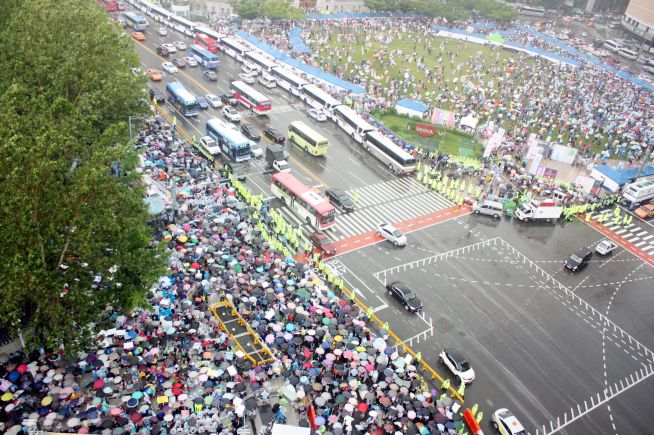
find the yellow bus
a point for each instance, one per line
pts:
(306, 138)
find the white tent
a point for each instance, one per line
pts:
(469, 121)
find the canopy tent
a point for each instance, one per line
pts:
(412, 108)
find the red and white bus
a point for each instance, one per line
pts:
(249, 97)
(314, 209)
(206, 42)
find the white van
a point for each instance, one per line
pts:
(250, 68)
(628, 53)
(490, 208)
(612, 45)
(268, 81)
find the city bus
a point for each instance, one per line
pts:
(319, 99)
(233, 144)
(112, 5)
(393, 156)
(353, 124)
(259, 60)
(181, 99)
(308, 139)
(312, 208)
(233, 48)
(249, 97)
(206, 42)
(289, 81)
(136, 22)
(210, 33)
(181, 24)
(204, 57)
(533, 11)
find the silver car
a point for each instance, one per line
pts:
(392, 234)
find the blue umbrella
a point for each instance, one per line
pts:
(290, 327)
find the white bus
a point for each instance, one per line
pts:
(628, 53)
(259, 60)
(289, 81)
(612, 45)
(532, 11)
(649, 66)
(319, 99)
(639, 191)
(352, 123)
(388, 152)
(233, 48)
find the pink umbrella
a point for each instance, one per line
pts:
(98, 384)
(370, 367)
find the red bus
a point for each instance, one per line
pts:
(314, 209)
(112, 5)
(249, 97)
(206, 42)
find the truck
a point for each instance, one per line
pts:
(539, 210)
(276, 157)
(638, 193)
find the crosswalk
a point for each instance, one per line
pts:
(639, 236)
(388, 201)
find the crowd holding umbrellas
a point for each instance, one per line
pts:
(170, 369)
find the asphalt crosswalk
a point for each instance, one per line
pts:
(639, 236)
(388, 201)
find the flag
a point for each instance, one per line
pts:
(311, 415)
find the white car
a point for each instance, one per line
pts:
(162, 31)
(213, 101)
(190, 61)
(249, 68)
(506, 423)
(268, 81)
(210, 145)
(255, 150)
(392, 234)
(318, 114)
(281, 166)
(170, 47)
(231, 114)
(246, 78)
(180, 45)
(169, 67)
(458, 365)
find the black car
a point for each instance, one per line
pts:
(209, 75)
(341, 199)
(229, 99)
(579, 259)
(179, 62)
(274, 135)
(157, 95)
(251, 132)
(163, 52)
(405, 295)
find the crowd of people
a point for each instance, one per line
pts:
(171, 369)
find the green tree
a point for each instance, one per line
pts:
(246, 9)
(281, 10)
(381, 5)
(66, 92)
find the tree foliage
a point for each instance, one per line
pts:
(281, 10)
(452, 11)
(66, 92)
(247, 9)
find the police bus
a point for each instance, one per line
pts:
(319, 99)
(307, 138)
(351, 122)
(259, 60)
(388, 152)
(233, 144)
(181, 99)
(233, 48)
(204, 57)
(251, 98)
(288, 81)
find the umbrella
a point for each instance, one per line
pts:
(136, 417)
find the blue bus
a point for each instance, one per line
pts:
(136, 22)
(181, 99)
(232, 143)
(204, 57)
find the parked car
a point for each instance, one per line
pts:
(179, 62)
(251, 132)
(229, 99)
(163, 52)
(457, 364)
(255, 151)
(232, 114)
(157, 95)
(268, 81)
(579, 259)
(322, 241)
(605, 247)
(318, 114)
(213, 101)
(154, 74)
(341, 199)
(162, 31)
(209, 75)
(170, 47)
(392, 234)
(138, 36)
(204, 104)
(405, 295)
(506, 423)
(190, 61)
(180, 45)
(645, 211)
(274, 135)
(169, 67)
(246, 78)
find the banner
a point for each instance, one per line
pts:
(562, 153)
(442, 117)
(425, 130)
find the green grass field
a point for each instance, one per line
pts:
(449, 142)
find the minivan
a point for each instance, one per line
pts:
(268, 81)
(490, 208)
(612, 45)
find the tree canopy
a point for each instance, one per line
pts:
(66, 94)
(272, 9)
(460, 10)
